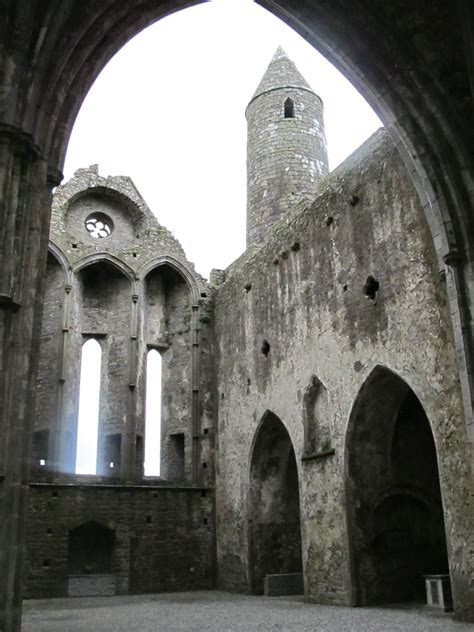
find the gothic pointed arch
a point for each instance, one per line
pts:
(169, 297)
(103, 310)
(195, 284)
(394, 506)
(109, 259)
(61, 258)
(274, 507)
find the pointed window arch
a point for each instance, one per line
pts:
(289, 108)
(89, 401)
(153, 414)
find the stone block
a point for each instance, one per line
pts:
(438, 592)
(283, 584)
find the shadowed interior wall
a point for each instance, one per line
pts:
(90, 549)
(163, 540)
(45, 433)
(168, 327)
(274, 512)
(397, 527)
(105, 310)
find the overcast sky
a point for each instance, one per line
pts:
(169, 111)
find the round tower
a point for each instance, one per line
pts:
(286, 145)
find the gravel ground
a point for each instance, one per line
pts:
(224, 612)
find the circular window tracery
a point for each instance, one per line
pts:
(99, 225)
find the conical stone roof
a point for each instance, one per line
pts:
(281, 73)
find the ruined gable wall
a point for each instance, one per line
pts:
(164, 526)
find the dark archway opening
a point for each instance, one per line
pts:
(274, 512)
(90, 549)
(395, 509)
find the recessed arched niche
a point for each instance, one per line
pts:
(167, 327)
(90, 560)
(104, 218)
(104, 298)
(395, 511)
(103, 312)
(90, 549)
(274, 505)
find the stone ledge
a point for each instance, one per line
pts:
(313, 456)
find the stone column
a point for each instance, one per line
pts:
(25, 201)
(195, 405)
(58, 451)
(128, 470)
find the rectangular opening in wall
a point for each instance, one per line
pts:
(139, 455)
(112, 449)
(89, 404)
(152, 464)
(176, 457)
(69, 462)
(39, 451)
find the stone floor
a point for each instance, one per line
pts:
(224, 612)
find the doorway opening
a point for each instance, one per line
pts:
(274, 511)
(395, 511)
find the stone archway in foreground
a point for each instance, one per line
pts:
(413, 63)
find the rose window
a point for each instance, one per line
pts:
(99, 226)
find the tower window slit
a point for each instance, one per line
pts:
(289, 108)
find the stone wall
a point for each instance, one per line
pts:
(131, 289)
(341, 287)
(137, 237)
(294, 330)
(49, 368)
(117, 276)
(164, 537)
(103, 300)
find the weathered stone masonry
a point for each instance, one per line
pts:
(412, 61)
(286, 148)
(132, 291)
(294, 317)
(313, 384)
